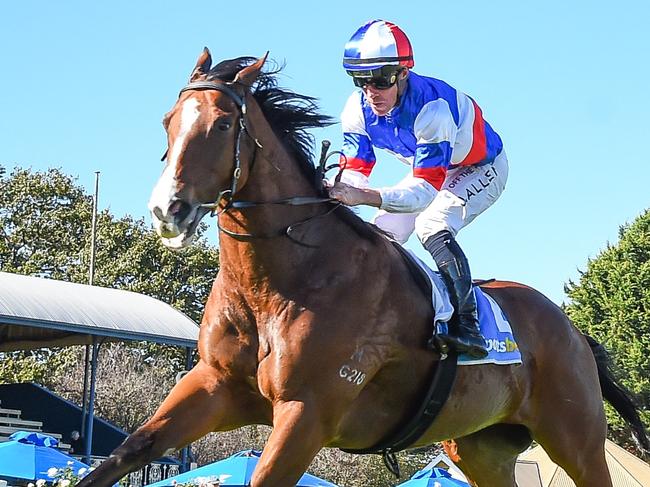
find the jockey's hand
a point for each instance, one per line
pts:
(351, 196)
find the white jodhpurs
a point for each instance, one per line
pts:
(466, 193)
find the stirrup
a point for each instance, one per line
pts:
(443, 342)
(438, 344)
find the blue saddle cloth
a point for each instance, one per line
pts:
(494, 324)
(495, 327)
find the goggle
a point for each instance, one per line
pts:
(380, 78)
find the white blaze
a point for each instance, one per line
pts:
(166, 188)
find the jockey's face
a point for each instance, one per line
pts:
(382, 101)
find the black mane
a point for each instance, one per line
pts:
(290, 115)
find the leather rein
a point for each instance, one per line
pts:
(227, 194)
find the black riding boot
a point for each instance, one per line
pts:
(454, 269)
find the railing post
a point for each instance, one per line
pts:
(91, 401)
(185, 452)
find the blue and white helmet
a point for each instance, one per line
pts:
(376, 44)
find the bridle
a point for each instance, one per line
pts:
(240, 101)
(227, 194)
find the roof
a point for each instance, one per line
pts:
(37, 312)
(626, 469)
(527, 474)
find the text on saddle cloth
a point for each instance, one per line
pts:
(494, 324)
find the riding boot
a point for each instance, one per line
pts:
(455, 273)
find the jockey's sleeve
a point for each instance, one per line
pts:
(435, 133)
(411, 195)
(359, 157)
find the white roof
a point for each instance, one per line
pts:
(36, 312)
(626, 469)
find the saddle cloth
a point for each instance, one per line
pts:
(494, 325)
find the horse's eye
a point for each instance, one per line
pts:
(224, 125)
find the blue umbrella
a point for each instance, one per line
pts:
(433, 477)
(29, 456)
(235, 471)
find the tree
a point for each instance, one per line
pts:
(129, 389)
(611, 302)
(45, 230)
(45, 220)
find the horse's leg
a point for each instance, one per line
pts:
(577, 444)
(568, 418)
(298, 435)
(488, 457)
(200, 403)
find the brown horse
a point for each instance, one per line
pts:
(316, 327)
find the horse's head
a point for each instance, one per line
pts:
(205, 148)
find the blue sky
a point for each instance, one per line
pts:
(84, 86)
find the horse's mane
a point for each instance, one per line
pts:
(290, 115)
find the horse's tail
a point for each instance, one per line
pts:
(618, 396)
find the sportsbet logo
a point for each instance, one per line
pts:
(502, 346)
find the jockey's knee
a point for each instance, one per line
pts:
(398, 225)
(427, 228)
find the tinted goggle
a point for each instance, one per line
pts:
(380, 78)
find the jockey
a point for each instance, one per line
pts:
(459, 167)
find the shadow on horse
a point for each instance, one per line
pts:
(307, 290)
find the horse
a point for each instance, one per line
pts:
(315, 326)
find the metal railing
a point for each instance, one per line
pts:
(154, 472)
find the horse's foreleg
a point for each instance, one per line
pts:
(298, 435)
(203, 401)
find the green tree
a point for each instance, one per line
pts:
(611, 302)
(45, 230)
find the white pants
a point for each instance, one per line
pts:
(466, 193)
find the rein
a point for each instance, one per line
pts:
(227, 194)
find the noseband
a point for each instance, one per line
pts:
(227, 194)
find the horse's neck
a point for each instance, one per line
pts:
(274, 175)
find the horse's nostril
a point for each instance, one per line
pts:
(157, 212)
(179, 210)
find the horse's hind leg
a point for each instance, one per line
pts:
(569, 418)
(577, 444)
(488, 457)
(201, 402)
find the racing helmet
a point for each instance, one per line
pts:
(376, 44)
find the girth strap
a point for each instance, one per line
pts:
(440, 384)
(405, 436)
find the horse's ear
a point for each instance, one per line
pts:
(249, 74)
(203, 65)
